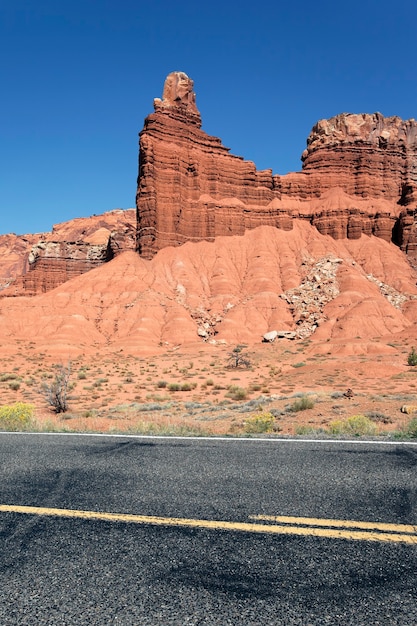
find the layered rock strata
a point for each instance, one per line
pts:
(71, 249)
(14, 253)
(359, 171)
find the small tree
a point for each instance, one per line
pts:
(56, 392)
(412, 357)
(238, 358)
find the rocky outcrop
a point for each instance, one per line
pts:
(357, 174)
(71, 249)
(318, 287)
(14, 252)
(371, 156)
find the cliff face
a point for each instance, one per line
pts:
(14, 252)
(71, 249)
(359, 176)
(371, 156)
(359, 171)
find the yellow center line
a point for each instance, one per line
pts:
(215, 524)
(336, 523)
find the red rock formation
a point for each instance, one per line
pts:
(232, 290)
(71, 249)
(14, 252)
(191, 188)
(370, 156)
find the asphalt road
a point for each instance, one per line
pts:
(60, 570)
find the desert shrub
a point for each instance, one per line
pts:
(16, 417)
(376, 416)
(161, 384)
(304, 429)
(82, 375)
(56, 392)
(300, 364)
(301, 404)
(260, 423)
(14, 385)
(6, 377)
(238, 358)
(412, 357)
(188, 386)
(411, 429)
(174, 387)
(236, 393)
(354, 426)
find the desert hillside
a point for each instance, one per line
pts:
(232, 290)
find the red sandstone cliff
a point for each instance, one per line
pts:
(32, 264)
(14, 252)
(358, 173)
(359, 177)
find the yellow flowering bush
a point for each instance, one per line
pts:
(18, 416)
(260, 423)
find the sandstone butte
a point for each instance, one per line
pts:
(219, 252)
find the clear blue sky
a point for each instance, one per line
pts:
(78, 78)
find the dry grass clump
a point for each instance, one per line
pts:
(301, 404)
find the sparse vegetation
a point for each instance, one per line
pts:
(6, 377)
(56, 392)
(301, 404)
(354, 426)
(16, 417)
(236, 393)
(238, 358)
(410, 431)
(181, 386)
(260, 423)
(412, 358)
(376, 416)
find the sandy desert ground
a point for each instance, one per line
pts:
(196, 391)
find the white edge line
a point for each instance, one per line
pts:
(400, 442)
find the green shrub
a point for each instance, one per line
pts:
(411, 429)
(412, 357)
(236, 393)
(5, 377)
(188, 386)
(174, 387)
(260, 423)
(354, 426)
(301, 404)
(161, 384)
(304, 429)
(16, 417)
(14, 385)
